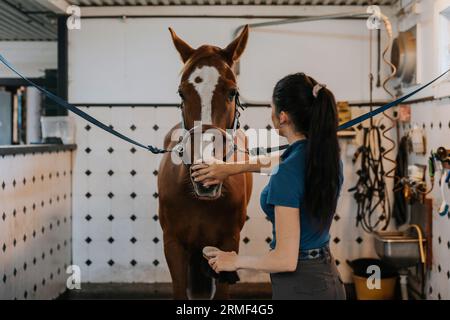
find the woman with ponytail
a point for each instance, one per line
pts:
(301, 196)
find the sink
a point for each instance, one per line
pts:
(399, 249)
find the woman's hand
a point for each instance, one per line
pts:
(222, 261)
(211, 173)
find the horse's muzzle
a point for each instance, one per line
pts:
(205, 192)
(199, 146)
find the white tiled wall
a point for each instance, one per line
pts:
(110, 246)
(434, 118)
(35, 225)
(117, 235)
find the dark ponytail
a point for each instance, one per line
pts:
(316, 118)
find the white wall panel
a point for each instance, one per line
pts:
(134, 61)
(31, 58)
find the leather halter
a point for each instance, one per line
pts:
(179, 148)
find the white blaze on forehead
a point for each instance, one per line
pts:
(204, 79)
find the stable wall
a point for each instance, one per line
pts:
(116, 235)
(134, 61)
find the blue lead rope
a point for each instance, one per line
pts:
(357, 120)
(381, 109)
(81, 113)
(156, 150)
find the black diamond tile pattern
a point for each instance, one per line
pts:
(435, 123)
(134, 204)
(43, 214)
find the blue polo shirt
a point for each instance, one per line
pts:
(286, 188)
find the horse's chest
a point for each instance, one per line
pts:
(196, 219)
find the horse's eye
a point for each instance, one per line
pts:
(180, 93)
(231, 94)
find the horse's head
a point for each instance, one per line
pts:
(208, 90)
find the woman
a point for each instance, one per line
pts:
(299, 200)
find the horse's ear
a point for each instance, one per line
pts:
(182, 47)
(235, 49)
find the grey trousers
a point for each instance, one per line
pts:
(315, 279)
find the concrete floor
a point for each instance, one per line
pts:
(146, 291)
(162, 291)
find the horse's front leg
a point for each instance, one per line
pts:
(177, 260)
(229, 243)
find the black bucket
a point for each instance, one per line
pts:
(387, 284)
(360, 266)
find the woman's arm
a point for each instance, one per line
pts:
(282, 259)
(216, 172)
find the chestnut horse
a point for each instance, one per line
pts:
(191, 215)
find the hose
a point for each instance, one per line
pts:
(420, 236)
(393, 121)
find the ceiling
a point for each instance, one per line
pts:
(227, 2)
(26, 20)
(35, 20)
